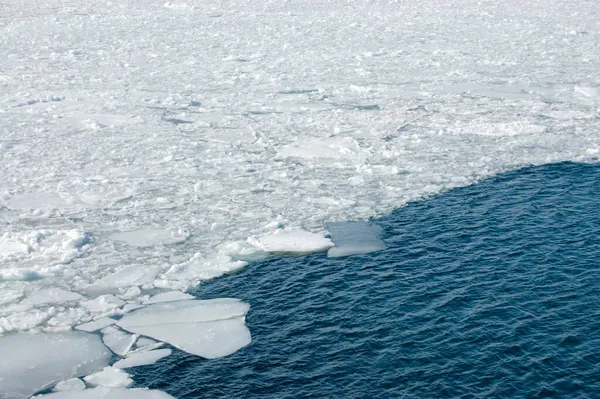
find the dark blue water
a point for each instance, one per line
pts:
(489, 291)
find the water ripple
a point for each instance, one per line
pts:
(490, 291)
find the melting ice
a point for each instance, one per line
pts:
(211, 135)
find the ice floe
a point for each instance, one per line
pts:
(117, 340)
(353, 238)
(208, 328)
(291, 241)
(32, 362)
(109, 377)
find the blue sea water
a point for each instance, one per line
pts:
(488, 291)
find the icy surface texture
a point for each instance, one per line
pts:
(168, 159)
(32, 362)
(352, 238)
(211, 328)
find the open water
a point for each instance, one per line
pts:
(488, 291)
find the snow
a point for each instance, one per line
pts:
(108, 393)
(291, 241)
(33, 362)
(142, 358)
(110, 378)
(181, 153)
(353, 238)
(210, 328)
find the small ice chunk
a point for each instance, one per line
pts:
(211, 328)
(169, 297)
(108, 393)
(96, 324)
(32, 362)
(117, 340)
(297, 241)
(109, 378)
(51, 295)
(142, 358)
(353, 238)
(72, 384)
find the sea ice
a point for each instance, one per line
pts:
(32, 362)
(352, 238)
(72, 384)
(110, 378)
(142, 359)
(168, 297)
(210, 328)
(147, 237)
(297, 241)
(51, 295)
(133, 275)
(117, 340)
(96, 325)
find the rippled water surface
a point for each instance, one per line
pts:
(487, 291)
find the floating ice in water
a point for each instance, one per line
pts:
(108, 393)
(353, 238)
(96, 324)
(34, 254)
(72, 384)
(211, 328)
(51, 295)
(117, 340)
(168, 297)
(142, 359)
(147, 237)
(133, 275)
(297, 241)
(110, 378)
(33, 362)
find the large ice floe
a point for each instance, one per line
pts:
(148, 147)
(32, 362)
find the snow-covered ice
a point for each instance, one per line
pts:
(353, 238)
(32, 362)
(209, 328)
(142, 358)
(147, 147)
(291, 241)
